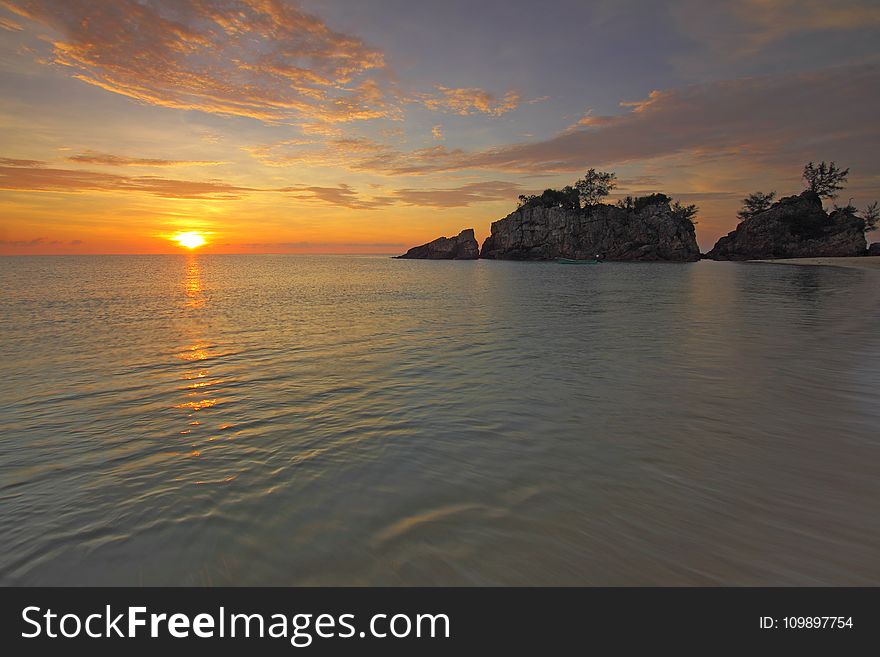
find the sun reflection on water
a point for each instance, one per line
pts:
(192, 382)
(195, 352)
(193, 284)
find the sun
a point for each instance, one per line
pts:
(190, 240)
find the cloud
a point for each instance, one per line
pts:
(494, 190)
(437, 133)
(9, 25)
(743, 27)
(466, 101)
(12, 162)
(265, 59)
(93, 157)
(211, 137)
(312, 245)
(38, 241)
(35, 176)
(639, 182)
(342, 195)
(798, 115)
(336, 151)
(355, 145)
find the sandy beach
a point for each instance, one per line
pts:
(864, 262)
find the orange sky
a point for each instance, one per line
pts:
(347, 127)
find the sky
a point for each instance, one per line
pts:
(369, 126)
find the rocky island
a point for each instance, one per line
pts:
(461, 247)
(652, 232)
(798, 226)
(573, 223)
(794, 227)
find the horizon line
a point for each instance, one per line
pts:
(187, 253)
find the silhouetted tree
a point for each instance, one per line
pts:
(626, 203)
(570, 198)
(755, 203)
(567, 198)
(639, 203)
(651, 199)
(825, 179)
(848, 209)
(871, 215)
(685, 211)
(594, 186)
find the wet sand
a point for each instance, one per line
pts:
(863, 262)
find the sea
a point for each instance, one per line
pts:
(359, 420)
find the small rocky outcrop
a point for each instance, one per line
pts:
(461, 247)
(874, 249)
(653, 233)
(794, 227)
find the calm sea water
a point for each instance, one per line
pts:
(361, 420)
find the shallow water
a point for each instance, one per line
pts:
(362, 420)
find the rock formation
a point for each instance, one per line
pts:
(794, 227)
(654, 233)
(461, 247)
(874, 249)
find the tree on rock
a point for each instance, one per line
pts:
(566, 198)
(825, 179)
(687, 212)
(871, 216)
(755, 203)
(596, 185)
(643, 202)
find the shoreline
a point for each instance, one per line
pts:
(871, 263)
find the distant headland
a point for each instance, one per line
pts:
(574, 223)
(461, 247)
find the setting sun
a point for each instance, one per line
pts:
(190, 240)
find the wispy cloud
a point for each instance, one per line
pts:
(283, 246)
(10, 25)
(342, 195)
(467, 194)
(35, 176)
(335, 151)
(107, 159)
(13, 162)
(639, 183)
(265, 59)
(38, 241)
(466, 101)
(742, 27)
(463, 195)
(805, 114)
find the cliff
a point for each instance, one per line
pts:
(793, 227)
(540, 233)
(461, 247)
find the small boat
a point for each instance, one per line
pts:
(569, 261)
